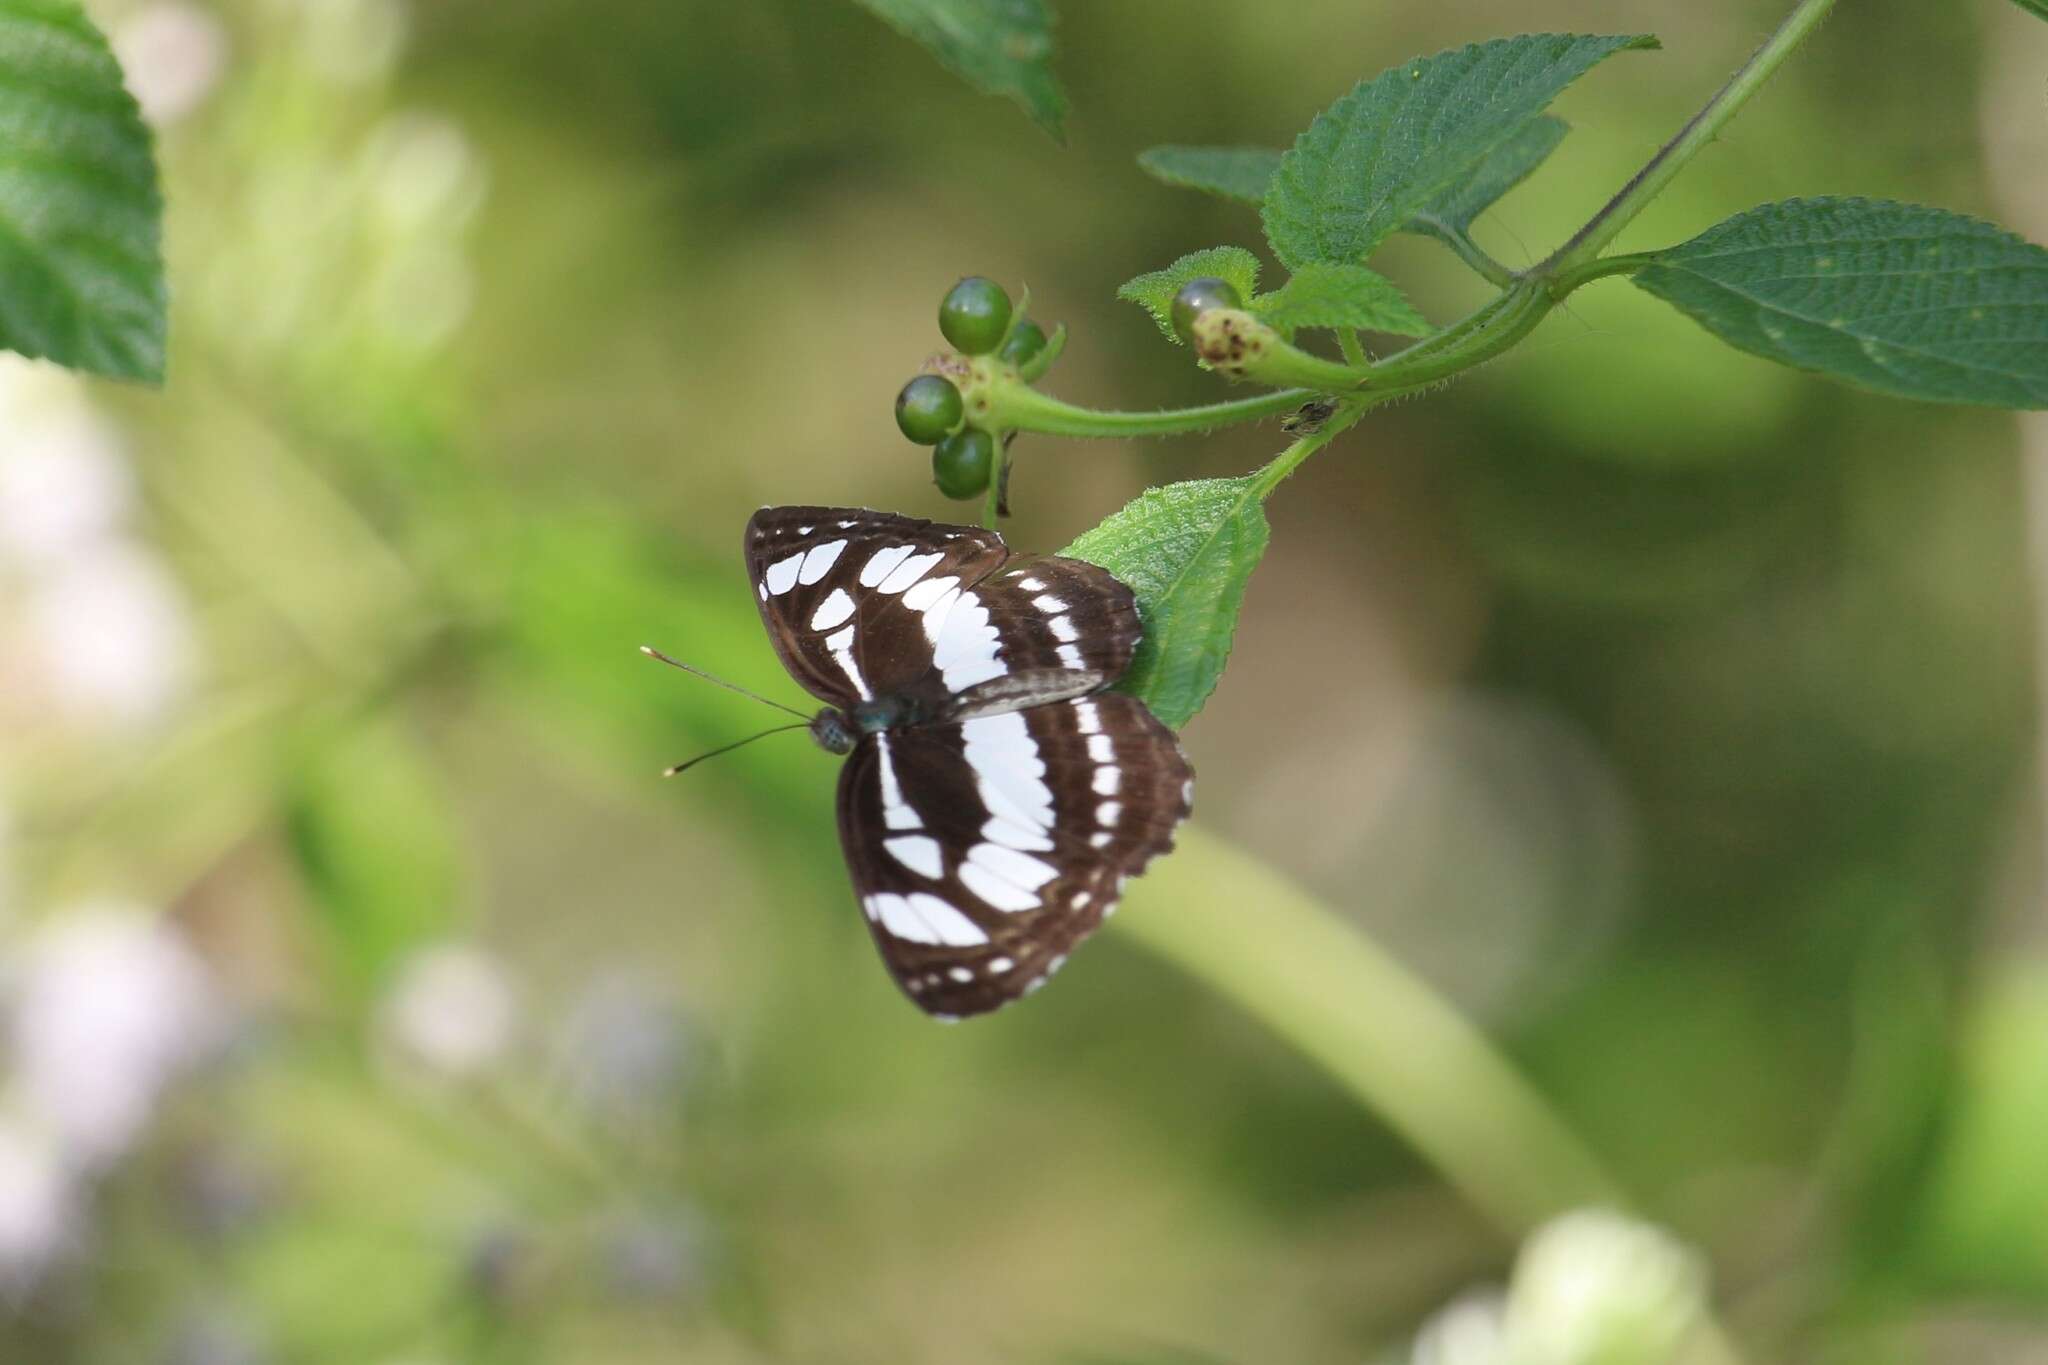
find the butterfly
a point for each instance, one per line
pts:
(996, 797)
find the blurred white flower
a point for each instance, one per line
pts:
(624, 1046)
(64, 481)
(352, 42)
(109, 1005)
(1596, 1286)
(171, 54)
(37, 1204)
(452, 1008)
(1470, 1330)
(108, 633)
(423, 176)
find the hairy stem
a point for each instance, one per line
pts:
(1026, 409)
(1650, 181)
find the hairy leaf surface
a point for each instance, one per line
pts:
(1381, 153)
(1907, 300)
(1187, 550)
(81, 266)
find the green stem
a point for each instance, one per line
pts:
(1381, 1032)
(1026, 409)
(1468, 250)
(1650, 181)
(1352, 347)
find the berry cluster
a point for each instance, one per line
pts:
(946, 406)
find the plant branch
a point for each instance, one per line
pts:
(1701, 129)
(1026, 409)
(1381, 1032)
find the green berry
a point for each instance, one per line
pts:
(974, 316)
(962, 463)
(1027, 339)
(928, 408)
(1197, 297)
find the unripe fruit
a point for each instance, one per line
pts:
(1027, 339)
(974, 315)
(928, 408)
(962, 463)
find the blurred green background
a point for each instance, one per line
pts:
(370, 998)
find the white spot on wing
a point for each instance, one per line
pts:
(1029, 584)
(917, 852)
(1099, 839)
(1003, 895)
(923, 918)
(1008, 773)
(781, 575)
(1108, 811)
(1049, 603)
(1101, 748)
(1081, 899)
(1107, 780)
(896, 812)
(921, 596)
(965, 650)
(1011, 865)
(841, 646)
(961, 974)
(881, 563)
(1070, 656)
(908, 572)
(935, 615)
(1087, 718)
(1011, 835)
(833, 611)
(998, 965)
(820, 559)
(1062, 628)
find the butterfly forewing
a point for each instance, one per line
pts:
(982, 850)
(854, 599)
(1046, 628)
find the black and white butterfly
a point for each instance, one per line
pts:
(995, 796)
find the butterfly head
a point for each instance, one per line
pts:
(834, 731)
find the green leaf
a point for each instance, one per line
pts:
(81, 268)
(1154, 290)
(1340, 296)
(1000, 47)
(1240, 173)
(1505, 167)
(2037, 8)
(1186, 550)
(1907, 300)
(375, 844)
(1381, 153)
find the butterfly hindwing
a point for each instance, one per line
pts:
(1038, 629)
(983, 850)
(853, 599)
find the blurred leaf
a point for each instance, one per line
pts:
(81, 269)
(1397, 141)
(1988, 1201)
(2037, 8)
(1340, 296)
(1505, 167)
(1154, 290)
(1899, 298)
(1187, 550)
(1000, 47)
(1240, 173)
(376, 845)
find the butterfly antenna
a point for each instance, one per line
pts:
(728, 748)
(653, 653)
